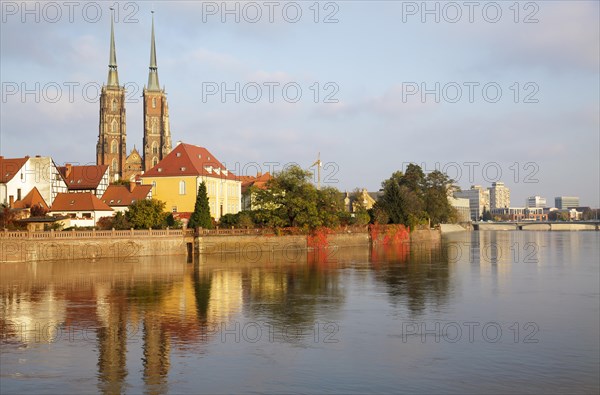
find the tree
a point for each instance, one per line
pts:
(201, 216)
(37, 211)
(437, 205)
(413, 198)
(290, 199)
(146, 213)
(487, 215)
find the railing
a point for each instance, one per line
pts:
(96, 234)
(111, 234)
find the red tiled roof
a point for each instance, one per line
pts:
(10, 167)
(189, 160)
(83, 177)
(78, 202)
(33, 198)
(119, 195)
(258, 181)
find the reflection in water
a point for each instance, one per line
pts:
(140, 320)
(415, 275)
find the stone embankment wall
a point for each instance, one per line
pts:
(126, 247)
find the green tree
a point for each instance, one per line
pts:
(487, 215)
(413, 198)
(437, 205)
(146, 213)
(201, 216)
(290, 199)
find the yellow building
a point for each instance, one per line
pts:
(176, 178)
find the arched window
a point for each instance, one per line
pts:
(182, 187)
(114, 105)
(114, 147)
(154, 102)
(154, 161)
(154, 128)
(114, 166)
(114, 126)
(154, 148)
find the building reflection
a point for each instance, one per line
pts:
(130, 313)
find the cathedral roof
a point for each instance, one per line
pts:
(190, 160)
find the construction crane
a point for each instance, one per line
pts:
(319, 164)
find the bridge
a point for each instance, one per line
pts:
(537, 225)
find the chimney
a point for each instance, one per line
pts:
(68, 169)
(131, 186)
(11, 201)
(258, 174)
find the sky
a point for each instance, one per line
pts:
(484, 91)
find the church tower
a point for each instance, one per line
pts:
(157, 133)
(111, 147)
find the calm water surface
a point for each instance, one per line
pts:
(502, 312)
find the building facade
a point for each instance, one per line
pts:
(112, 136)
(499, 195)
(566, 202)
(535, 202)
(157, 130)
(87, 178)
(479, 200)
(111, 148)
(20, 175)
(175, 181)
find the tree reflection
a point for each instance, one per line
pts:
(415, 274)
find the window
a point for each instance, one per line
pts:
(154, 128)
(114, 147)
(114, 166)
(154, 102)
(19, 194)
(182, 187)
(87, 215)
(114, 105)
(154, 148)
(174, 209)
(114, 126)
(155, 162)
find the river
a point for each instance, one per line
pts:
(501, 312)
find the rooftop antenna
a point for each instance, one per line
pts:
(319, 164)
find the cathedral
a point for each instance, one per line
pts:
(111, 149)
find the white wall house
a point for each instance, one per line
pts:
(83, 209)
(18, 176)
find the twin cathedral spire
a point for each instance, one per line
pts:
(111, 148)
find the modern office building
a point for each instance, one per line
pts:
(565, 202)
(479, 198)
(535, 202)
(499, 195)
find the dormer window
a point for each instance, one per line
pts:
(209, 169)
(178, 154)
(225, 171)
(199, 156)
(217, 170)
(160, 169)
(182, 169)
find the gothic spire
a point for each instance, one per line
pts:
(153, 84)
(113, 76)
